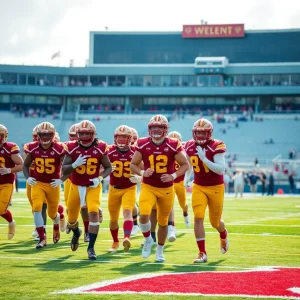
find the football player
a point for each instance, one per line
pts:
(44, 178)
(83, 160)
(122, 191)
(158, 153)
(207, 158)
(180, 192)
(136, 228)
(10, 163)
(34, 234)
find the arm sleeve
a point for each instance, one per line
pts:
(218, 166)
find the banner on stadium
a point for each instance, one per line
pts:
(213, 31)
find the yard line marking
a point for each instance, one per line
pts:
(120, 262)
(264, 234)
(271, 253)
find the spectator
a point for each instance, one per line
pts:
(252, 180)
(271, 184)
(292, 182)
(256, 164)
(238, 183)
(263, 179)
(292, 154)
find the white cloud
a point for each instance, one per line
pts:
(32, 30)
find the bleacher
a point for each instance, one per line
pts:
(247, 141)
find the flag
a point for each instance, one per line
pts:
(56, 54)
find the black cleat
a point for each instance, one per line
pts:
(75, 241)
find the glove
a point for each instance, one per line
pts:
(56, 182)
(31, 181)
(81, 160)
(96, 181)
(201, 153)
(4, 171)
(135, 178)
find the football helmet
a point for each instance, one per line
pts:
(35, 133)
(3, 134)
(175, 135)
(56, 137)
(122, 136)
(73, 132)
(134, 136)
(204, 127)
(162, 123)
(86, 132)
(46, 133)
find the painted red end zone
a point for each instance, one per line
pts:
(272, 283)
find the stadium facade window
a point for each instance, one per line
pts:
(136, 80)
(97, 100)
(262, 79)
(32, 79)
(243, 80)
(54, 100)
(281, 79)
(156, 80)
(98, 80)
(78, 81)
(203, 80)
(16, 99)
(8, 78)
(4, 98)
(41, 79)
(166, 80)
(116, 80)
(58, 80)
(295, 79)
(29, 99)
(189, 80)
(22, 79)
(175, 80)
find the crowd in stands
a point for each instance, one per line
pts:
(101, 108)
(28, 111)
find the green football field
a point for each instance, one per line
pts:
(263, 231)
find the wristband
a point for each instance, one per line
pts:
(174, 175)
(101, 178)
(142, 173)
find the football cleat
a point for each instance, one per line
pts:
(75, 241)
(86, 238)
(91, 254)
(202, 257)
(126, 244)
(160, 256)
(41, 244)
(56, 235)
(148, 243)
(135, 229)
(171, 234)
(11, 230)
(187, 221)
(224, 244)
(114, 248)
(62, 224)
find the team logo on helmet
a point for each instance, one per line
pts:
(86, 133)
(46, 133)
(202, 131)
(122, 136)
(158, 127)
